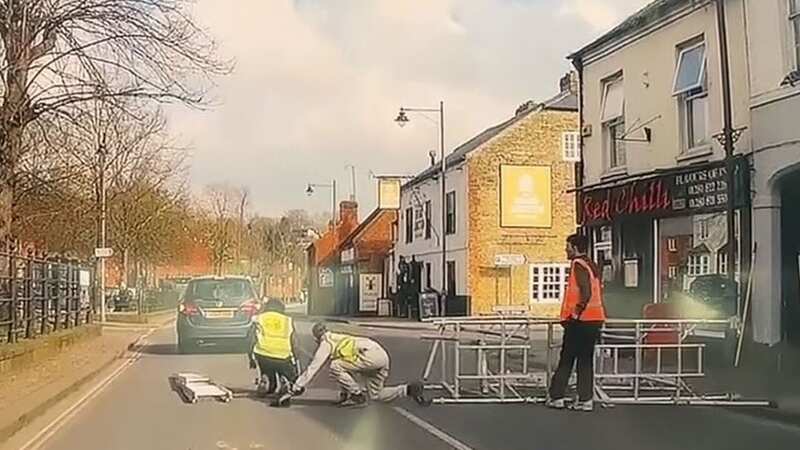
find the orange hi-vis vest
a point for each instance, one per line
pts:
(595, 311)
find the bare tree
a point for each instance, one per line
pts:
(221, 207)
(61, 54)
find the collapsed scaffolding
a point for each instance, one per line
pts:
(498, 359)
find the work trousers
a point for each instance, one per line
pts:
(371, 366)
(578, 345)
(274, 369)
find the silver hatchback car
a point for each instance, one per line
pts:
(216, 309)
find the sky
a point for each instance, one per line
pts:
(317, 85)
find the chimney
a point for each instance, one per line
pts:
(348, 211)
(569, 82)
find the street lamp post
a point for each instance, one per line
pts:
(332, 186)
(402, 119)
(101, 237)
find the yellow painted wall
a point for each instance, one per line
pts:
(534, 140)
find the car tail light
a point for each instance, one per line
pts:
(250, 307)
(188, 309)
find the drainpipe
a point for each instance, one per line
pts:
(579, 166)
(728, 137)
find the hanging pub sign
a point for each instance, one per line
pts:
(691, 191)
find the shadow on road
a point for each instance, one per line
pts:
(172, 350)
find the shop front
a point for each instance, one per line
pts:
(663, 238)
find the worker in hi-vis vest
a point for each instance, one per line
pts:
(582, 316)
(352, 358)
(272, 350)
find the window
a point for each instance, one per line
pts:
(722, 262)
(699, 264)
(548, 282)
(602, 252)
(450, 222)
(428, 219)
(570, 146)
(409, 225)
(673, 272)
(613, 118)
(451, 278)
(692, 91)
(615, 133)
(702, 229)
(690, 72)
(672, 245)
(794, 22)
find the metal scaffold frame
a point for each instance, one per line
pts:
(489, 359)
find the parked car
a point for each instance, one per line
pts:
(215, 310)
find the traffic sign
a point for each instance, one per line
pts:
(509, 260)
(106, 252)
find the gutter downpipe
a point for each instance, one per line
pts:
(577, 62)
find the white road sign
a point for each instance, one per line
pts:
(106, 252)
(509, 260)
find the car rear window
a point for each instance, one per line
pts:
(229, 291)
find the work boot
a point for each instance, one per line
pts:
(354, 401)
(343, 396)
(416, 391)
(557, 403)
(587, 406)
(282, 401)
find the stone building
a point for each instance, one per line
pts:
(509, 211)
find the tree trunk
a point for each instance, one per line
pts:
(125, 269)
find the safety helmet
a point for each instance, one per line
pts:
(275, 305)
(318, 330)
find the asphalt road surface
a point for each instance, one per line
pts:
(140, 411)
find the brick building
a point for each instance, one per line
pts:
(361, 280)
(507, 194)
(322, 259)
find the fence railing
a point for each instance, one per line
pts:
(40, 294)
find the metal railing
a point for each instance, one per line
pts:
(493, 359)
(40, 294)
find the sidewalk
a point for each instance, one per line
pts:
(30, 391)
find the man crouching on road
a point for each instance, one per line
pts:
(272, 350)
(351, 357)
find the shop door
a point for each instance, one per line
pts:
(790, 244)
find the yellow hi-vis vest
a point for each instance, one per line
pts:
(274, 335)
(344, 347)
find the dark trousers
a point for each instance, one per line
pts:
(274, 368)
(578, 345)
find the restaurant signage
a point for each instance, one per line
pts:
(691, 191)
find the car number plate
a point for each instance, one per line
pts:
(219, 314)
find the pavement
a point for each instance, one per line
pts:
(137, 409)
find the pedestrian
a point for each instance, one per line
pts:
(272, 350)
(582, 316)
(352, 358)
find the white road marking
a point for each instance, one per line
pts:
(446, 438)
(37, 441)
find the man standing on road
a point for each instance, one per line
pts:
(273, 349)
(582, 316)
(351, 357)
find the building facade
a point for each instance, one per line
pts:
(653, 184)
(361, 263)
(323, 259)
(508, 212)
(774, 79)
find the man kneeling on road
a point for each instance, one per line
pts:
(273, 350)
(351, 357)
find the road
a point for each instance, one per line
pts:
(140, 411)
